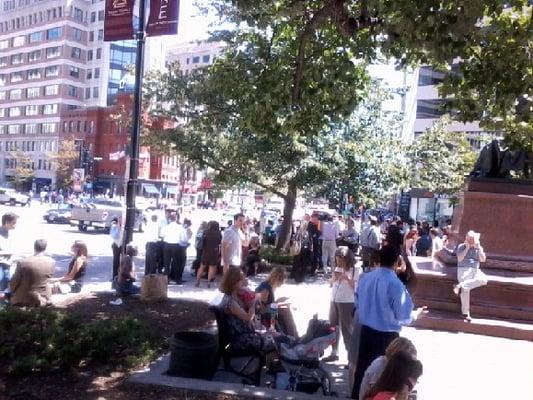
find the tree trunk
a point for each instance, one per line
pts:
(286, 228)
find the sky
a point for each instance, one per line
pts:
(192, 25)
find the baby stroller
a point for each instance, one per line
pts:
(304, 372)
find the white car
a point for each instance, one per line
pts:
(11, 196)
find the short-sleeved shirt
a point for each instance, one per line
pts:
(471, 259)
(233, 238)
(5, 245)
(268, 287)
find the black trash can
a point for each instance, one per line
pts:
(193, 355)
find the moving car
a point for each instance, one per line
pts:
(11, 196)
(100, 212)
(58, 215)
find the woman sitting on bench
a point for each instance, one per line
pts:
(240, 317)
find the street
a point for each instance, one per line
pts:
(456, 365)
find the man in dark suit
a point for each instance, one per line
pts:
(30, 284)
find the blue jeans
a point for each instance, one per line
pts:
(5, 277)
(127, 288)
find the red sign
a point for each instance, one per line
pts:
(118, 23)
(163, 19)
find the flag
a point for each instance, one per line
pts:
(163, 19)
(118, 22)
(117, 156)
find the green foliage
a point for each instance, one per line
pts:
(23, 171)
(41, 340)
(64, 161)
(275, 256)
(441, 159)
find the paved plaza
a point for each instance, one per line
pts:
(456, 365)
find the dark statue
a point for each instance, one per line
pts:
(494, 161)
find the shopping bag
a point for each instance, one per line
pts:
(154, 288)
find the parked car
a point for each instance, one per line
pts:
(11, 196)
(59, 215)
(100, 212)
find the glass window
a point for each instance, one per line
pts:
(3, 61)
(3, 95)
(52, 52)
(3, 112)
(4, 44)
(101, 15)
(35, 37)
(196, 59)
(91, 36)
(50, 109)
(32, 110)
(33, 92)
(100, 34)
(205, 59)
(89, 55)
(89, 74)
(75, 72)
(13, 129)
(428, 76)
(17, 76)
(87, 93)
(95, 92)
(51, 90)
(54, 33)
(76, 34)
(96, 73)
(93, 16)
(17, 59)
(15, 94)
(78, 14)
(3, 79)
(34, 55)
(15, 112)
(49, 128)
(19, 41)
(98, 53)
(31, 129)
(73, 91)
(52, 70)
(429, 109)
(75, 52)
(34, 74)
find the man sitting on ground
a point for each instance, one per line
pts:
(30, 283)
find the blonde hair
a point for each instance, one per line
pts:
(400, 344)
(347, 255)
(230, 278)
(277, 276)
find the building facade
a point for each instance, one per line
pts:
(54, 64)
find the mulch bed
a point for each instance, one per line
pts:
(101, 382)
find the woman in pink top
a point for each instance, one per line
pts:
(398, 379)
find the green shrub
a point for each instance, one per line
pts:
(42, 340)
(271, 254)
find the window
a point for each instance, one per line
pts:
(73, 91)
(87, 93)
(52, 52)
(17, 76)
(52, 70)
(205, 59)
(33, 92)
(75, 72)
(89, 74)
(15, 94)
(32, 110)
(89, 55)
(30, 129)
(196, 59)
(35, 37)
(91, 36)
(188, 60)
(3, 112)
(2, 95)
(95, 92)
(101, 15)
(40, 164)
(17, 59)
(78, 14)
(96, 73)
(100, 34)
(93, 16)
(75, 52)
(51, 90)
(3, 61)
(54, 33)
(19, 41)
(34, 55)
(429, 109)
(50, 109)
(76, 34)
(98, 53)
(3, 79)
(49, 128)
(4, 44)
(34, 74)
(15, 112)
(13, 129)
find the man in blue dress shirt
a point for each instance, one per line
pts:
(384, 305)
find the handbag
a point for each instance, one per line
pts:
(295, 248)
(154, 288)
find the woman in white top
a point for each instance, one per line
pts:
(343, 282)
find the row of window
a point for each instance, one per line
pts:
(37, 73)
(28, 129)
(196, 59)
(29, 145)
(32, 19)
(31, 110)
(35, 55)
(44, 165)
(78, 126)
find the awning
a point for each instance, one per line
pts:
(171, 190)
(151, 189)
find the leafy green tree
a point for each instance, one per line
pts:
(24, 169)
(64, 161)
(440, 159)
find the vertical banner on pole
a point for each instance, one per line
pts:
(163, 19)
(118, 22)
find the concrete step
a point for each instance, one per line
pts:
(453, 322)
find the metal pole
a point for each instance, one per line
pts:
(134, 156)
